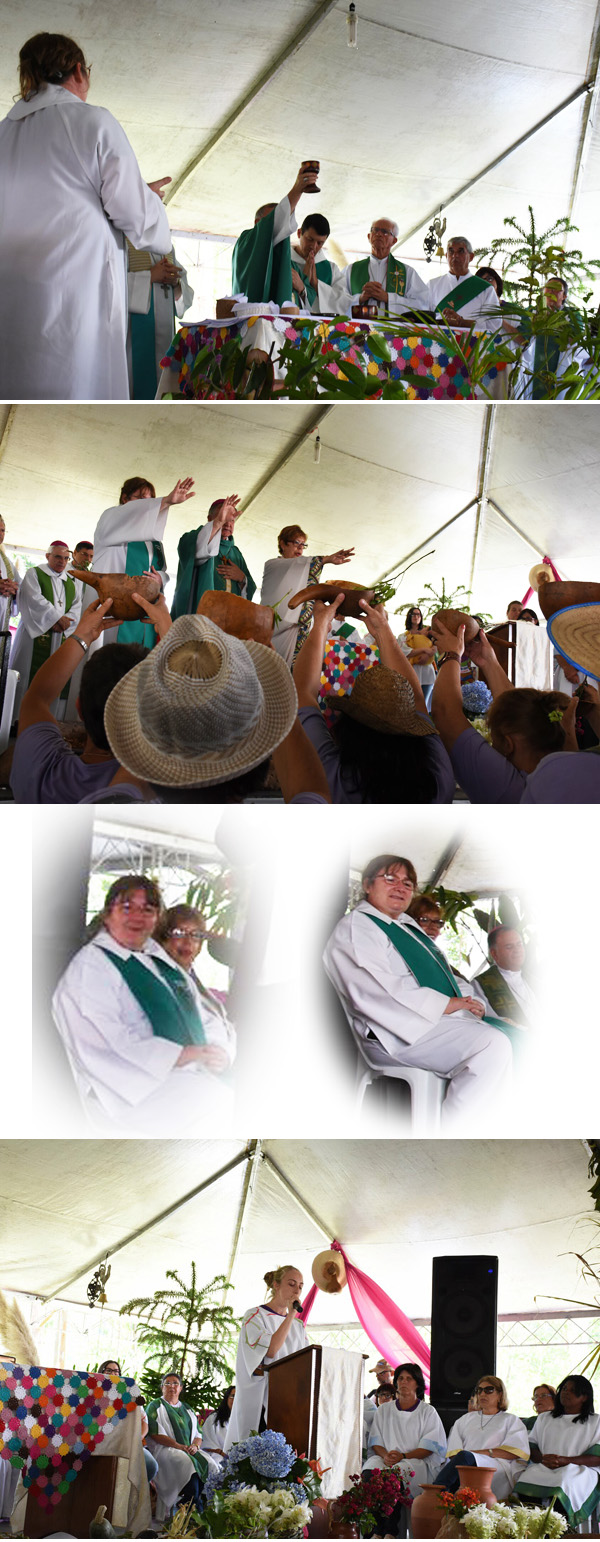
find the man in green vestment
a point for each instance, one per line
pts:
(261, 265)
(502, 984)
(210, 559)
(393, 284)
(462, 297)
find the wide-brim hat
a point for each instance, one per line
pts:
(203, 707)
(384, 700)
(382, 1365)
(329, 1271)
(541, 573)
(575, 633)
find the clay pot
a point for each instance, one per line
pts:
(329, 592)
(339, 1528)
(451, 1527)
(553, 597)
(426, 1516)
(318, 1524)
(121, 586)
(452, 619)
(238, 617)
(479, 1479)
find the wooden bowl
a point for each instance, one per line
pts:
(329, 592)
(452, 619)
(553, 597)
(238, 617)
(121, 586)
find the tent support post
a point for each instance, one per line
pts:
(444, 862)
(319, 15)
(425, 542)
(487, 440)
(250, 1177)
(243, 1156)
(286, 456)
(588, 115)
(528, 542)
(6, 426)
(285, 1183)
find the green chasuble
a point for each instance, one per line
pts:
(194, 578)
(427, 963)
(42, 645)
(181, 1425)
(395, 281)
(137, 562)
(324, 272)
(465, 291)
(259, 269)
(170, 1008)
(499, 995)
(143, 353)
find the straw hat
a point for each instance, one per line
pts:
(575, 633)
(383, 700)
(382, 1365)
(203, 707)
(541, 574)
(329, 1271)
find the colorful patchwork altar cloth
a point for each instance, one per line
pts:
(443, 374)
(343, 662)
(51, 1421)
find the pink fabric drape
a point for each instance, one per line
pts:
(388, 1328)
(555, 574)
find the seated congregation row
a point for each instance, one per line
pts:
(205, 716)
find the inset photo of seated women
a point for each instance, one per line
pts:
(140, 1037)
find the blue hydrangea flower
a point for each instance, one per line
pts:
(270, 1454)
(476, 698)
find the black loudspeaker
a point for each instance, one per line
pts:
(464, 1303)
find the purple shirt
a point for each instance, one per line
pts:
(486, 777)
(342, 784)
(46, 770)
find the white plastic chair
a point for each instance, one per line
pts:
(12, 678)
(427, 1089)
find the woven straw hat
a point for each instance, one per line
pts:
(575, 633)
(541, 573)
(329, 1271)
(202, 708)
(383, 700)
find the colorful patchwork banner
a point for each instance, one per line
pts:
(343, 661)
(52, 1420)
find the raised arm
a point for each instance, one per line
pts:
(307, 666)
(52, 676)
(447, 708)
(482, 654)
(390, 651)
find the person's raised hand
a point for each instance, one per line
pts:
(182, 491)
(447, 642)
(159, 186)
(345, 554)
(95, 621)
(375, 615)
(324, 613)
(157, 612)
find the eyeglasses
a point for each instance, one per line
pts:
(381, 230)
(486, 1390)
(431, 921)
(193, 936)
(129, 909)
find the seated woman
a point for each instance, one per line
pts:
(565, 1452)
(533, 756)
(420, 651)
(407, 1433)
(112, 1368)
(284, 576)
(174, 1440)
(132, 1028)
(544, 1400)
(180, 933)
(214, 1428)
(384, 748)
(487, 1437)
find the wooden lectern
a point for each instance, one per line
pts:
(315, 1400)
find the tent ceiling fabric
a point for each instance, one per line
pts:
(394, 1206)
(386, 481)
(479, 858)
(454, 87)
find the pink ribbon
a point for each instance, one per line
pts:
(388, 1328)
(555, 574)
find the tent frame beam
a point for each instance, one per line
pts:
(250, 1177)
(588, 115)
(485, 466)
(287, 455)
(265, 79)
(306, 1209)
(511, 524)
(431, 537)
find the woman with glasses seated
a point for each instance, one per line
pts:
(488, 1436)
(181, 932)
(136, 1031)
(283, 577)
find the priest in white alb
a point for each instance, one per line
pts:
(459, 296)
(128, 539)
(393, 284)
(10, 582)
(50, 608)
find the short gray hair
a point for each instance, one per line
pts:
(392, 223)
(460, 238)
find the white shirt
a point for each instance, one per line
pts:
(139, 520)
(477, 1432)
(38, 616)
(251, 1391)
(475, 309)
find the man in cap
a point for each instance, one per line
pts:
(394, 285)
(384, 1373)
(50, 609)
(210, 559)
(460, 296)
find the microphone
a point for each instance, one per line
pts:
(297, 1305)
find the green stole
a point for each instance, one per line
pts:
(427, 963)
(181, 1425)
(136, 564)
(546, 355)
(170, 1008)
(194, 578)
(42, 645)
(465, 291)
(143, 353)
(324, 272)
(259, 269)
(396, 275)
(499, 995)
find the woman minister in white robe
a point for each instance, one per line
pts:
(283, 577)
(70, 191)
(565, 1451)
(267, 1333)
(490, 1437)
(128, 539)
(407, 1434)
(138, 1035)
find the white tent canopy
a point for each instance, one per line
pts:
(393, 1206)
(389, 483)
(228, 99)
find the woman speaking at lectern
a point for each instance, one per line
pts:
(267, 1333)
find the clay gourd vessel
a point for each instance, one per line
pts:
(339, 1528)
(121, 586)
(238, 617)
(553, 597)
(329, 592)
(452, 619)
(426, 1516)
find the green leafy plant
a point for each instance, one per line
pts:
(444, 599)
(452, 902)
(530, 258)
(189, 1329)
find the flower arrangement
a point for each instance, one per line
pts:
(460, 1503)
(371, 1498)
(476, 698)
(263, 1488)
(503, 1520)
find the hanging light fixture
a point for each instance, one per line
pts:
(317, 453)
(352, 25)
